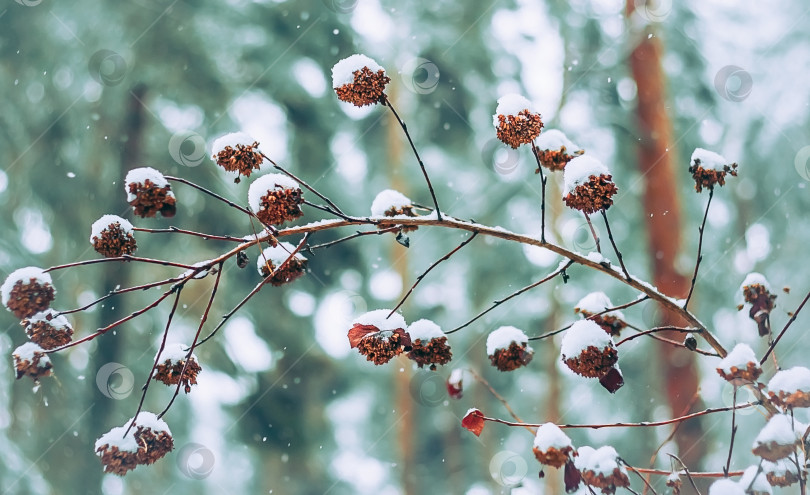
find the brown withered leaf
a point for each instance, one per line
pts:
(572, 477)
(358, 332)
(613, 380)
(474, 421)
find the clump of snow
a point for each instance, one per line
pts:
(27, 351)
(581, 335)
(388, 199)
(511, 104)
(781, 429)
(140, 175)
(116, 438)
(756, 479)
(739, 357)
(151, 421)
(23, 275)
(456, 377)
(343, 71)
(579, 170)
(502, 338)
(596, 302)
(596, 257)
(53, 318)
(424, 330)
(552, 139)
(175, 352)
(105, 221)
(379, 318)
(265, 183)
(230, 140)
(782, 467)
(789, 381)
(277, 255)
(726, 487)
(755, 278)
(601, 461)
(550, 435)
(709, 160)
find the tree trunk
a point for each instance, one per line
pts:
(656, 159)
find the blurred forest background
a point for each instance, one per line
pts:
(93, 89)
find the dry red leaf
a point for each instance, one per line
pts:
(455, 385)
(474, 421)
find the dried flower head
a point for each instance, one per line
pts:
(551, 446)
(778, 438)
(555, 150)
(601, 468)
(275, 198)
(674, 481)
(31, 360)
(790, 388)
(391, 203)
(48, 329)
(149, 192)
(429, 344)
(516, 122)
(740, 366)
(359, 80)
(275, 261)
(782, 472)
(146, 442)
(595, 303)
(112, 236)
(379, 337)
(588, 185)
(170, 367)
(27, 291)
(508, 348)
(709, 169)
(757, 292)
(237, 152)
(587, 350)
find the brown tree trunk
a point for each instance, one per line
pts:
(656, 161)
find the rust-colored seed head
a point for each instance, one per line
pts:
(243, 159)
(609, 323)
(368, 88)
(117, 461)
(379, 348)
(790, 400)
(280, 205)
(708, 178)
(171, 373)
(153, 445)
(288, 272)
(607, 484)
(773, 451)
(36, 366)
(27, 299)
(787, 479)
(553, 456)
(151, 199)
(743, 376)
(522, 128)
(394, 211)
(434, 351)
(114, 241)
(511, 358)
(45, 332)
(556, 159)
(595, 195)
(593, 362)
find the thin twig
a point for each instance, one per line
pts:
(404, 127)
(608, 310)
(498, 302)
(690, 476)
(672, 433)
(593, 232)
(659, 329)
(498, 396)
(733, 431)
(120, 291)
(613, 243)
(210, 193)
(647, 484)
(194, 342)
(157, 359)
(707, 474)
(787, 325)
(700, 248)
(336, 210)
(431, 267)
(543, 179)
(124, 258)
(175, 230)
(354, 236)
